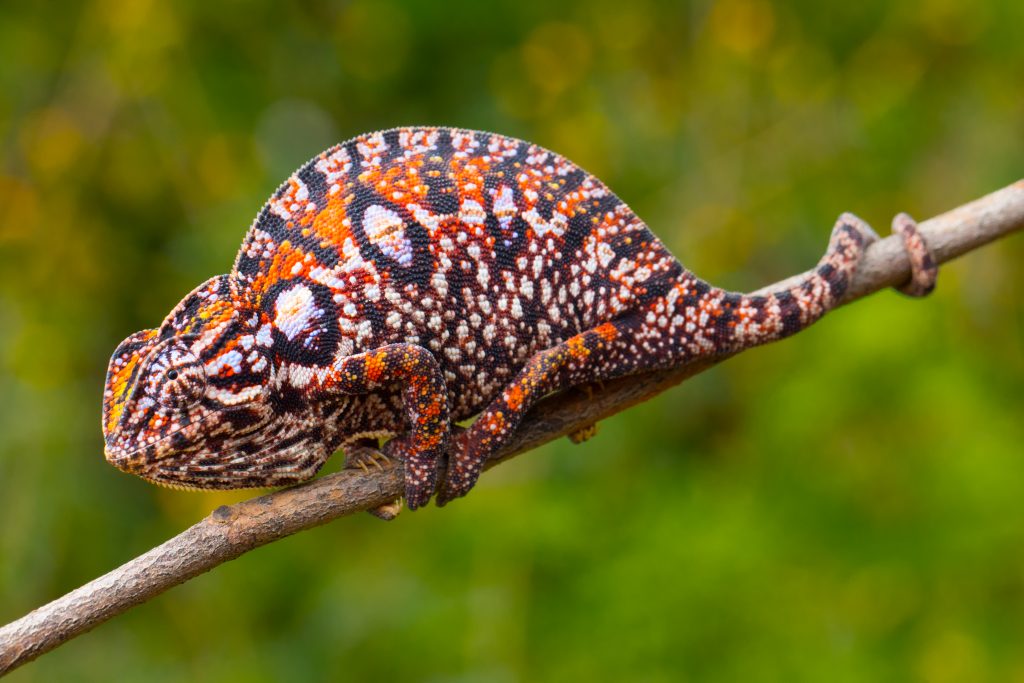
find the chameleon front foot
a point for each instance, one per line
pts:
(464, 468)
(365, 456)
(420, 469)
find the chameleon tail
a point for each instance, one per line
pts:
(751, 320)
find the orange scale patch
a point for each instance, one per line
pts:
(577, 348)
(496, 422)
(607, 331)
(120, 387)
(387, 180)
(288, 262)
(514, 396)
(217, 312)
(375, 366)
(433, 440)
(430, 411)
(331, 224)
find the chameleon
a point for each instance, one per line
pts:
(407, 280)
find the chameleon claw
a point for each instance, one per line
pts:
(366, 458)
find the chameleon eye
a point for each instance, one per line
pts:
(177, 378)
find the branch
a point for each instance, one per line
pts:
(233, 530)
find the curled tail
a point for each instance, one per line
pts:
(741, 321)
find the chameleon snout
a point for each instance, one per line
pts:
(132, 462)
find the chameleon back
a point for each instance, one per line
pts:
(482, 248)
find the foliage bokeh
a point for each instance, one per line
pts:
(847, 505)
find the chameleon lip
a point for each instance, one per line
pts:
(170, 485)
(117, 456)
(149, 471)
(120, 460)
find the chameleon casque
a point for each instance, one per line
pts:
(408, 279)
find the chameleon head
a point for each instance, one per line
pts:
(186, 405)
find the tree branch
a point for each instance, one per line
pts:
(233, 530)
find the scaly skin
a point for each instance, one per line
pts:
(412, 278)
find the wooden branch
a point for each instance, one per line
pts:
(233, 530)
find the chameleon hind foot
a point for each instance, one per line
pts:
(582, 358)
(388, 511)
(585, 433)
(924, 270)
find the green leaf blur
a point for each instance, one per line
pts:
(847, 505)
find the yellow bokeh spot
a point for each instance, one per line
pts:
(742, 26)
(556, 56)
(624, 26)
(51, 141)
(19, 209)
(217, 167)
(952, 655)
(954, 22)
(902, 66)
(373, 39)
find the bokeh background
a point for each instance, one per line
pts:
(847, 505)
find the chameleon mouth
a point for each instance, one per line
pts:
(140, 457)
(143, 459)
(132, 462)
(271, 467)
(172, 485)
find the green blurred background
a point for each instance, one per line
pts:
(847, 505)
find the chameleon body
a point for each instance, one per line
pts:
(409, 279)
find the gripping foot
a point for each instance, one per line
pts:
(585, 433)
(388, 511)
(365, 456)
